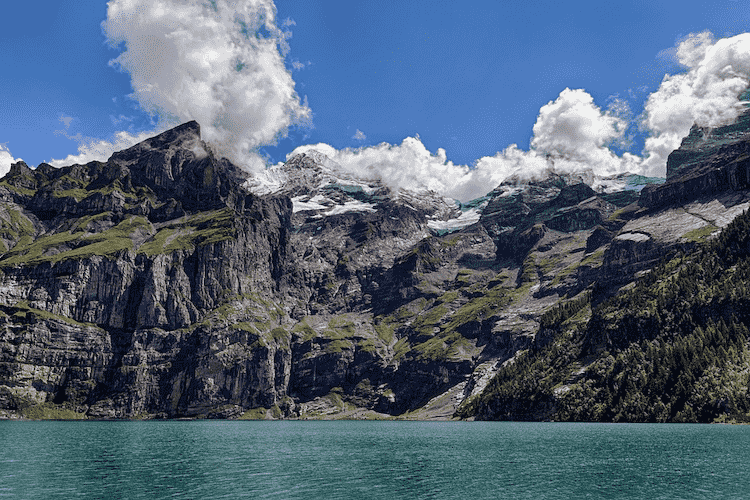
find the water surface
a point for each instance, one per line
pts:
(372, 460)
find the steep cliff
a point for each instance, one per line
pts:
(671, 346)
(117, 275)
(709, 161)
(156, 285)
(168, 283)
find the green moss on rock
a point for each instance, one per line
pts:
(66, 245)
(50, 411)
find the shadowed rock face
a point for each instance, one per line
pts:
(164, 283)
(518, 215)
(708, 184)
(122, 244)
(708, 162)
(178, 165)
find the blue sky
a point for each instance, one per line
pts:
(467, 78)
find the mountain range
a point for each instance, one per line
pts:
(169, 283)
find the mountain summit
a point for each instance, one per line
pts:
(166, 282)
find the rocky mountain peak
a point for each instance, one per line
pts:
(178, 164)
(162, 177)
(706, 146)
(154, 285)
(309, 160)
(320, 188)
(300, 174)
(18, 168)
(183, 137)
(708, 161)
(549, 178)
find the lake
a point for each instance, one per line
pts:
(372, 460)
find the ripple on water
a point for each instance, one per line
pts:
(370, 460)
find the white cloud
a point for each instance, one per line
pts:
(297, 65)
(6, 160)
(118, 120)
(570, 135)
(90, 149)
(359, 135)
(573, 134)
(706, 95)
(572, 126)
(667, 55)
(66, 120)
(219, 63)
(408, 165)
(620, 109)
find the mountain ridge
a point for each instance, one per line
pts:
(168, 283)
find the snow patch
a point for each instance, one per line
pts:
(510, 191)
(609, 185)
(465, 219)
(271, 180)
(351, 206)
(623, 182)
(298, 205)
(633, 237)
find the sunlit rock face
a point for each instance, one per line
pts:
(166, 282)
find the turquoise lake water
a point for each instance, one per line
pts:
(372, 460)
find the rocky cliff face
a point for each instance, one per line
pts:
(114, 269)
(709, 162)
(707, 186)
(165, 283)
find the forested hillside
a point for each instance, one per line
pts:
(672, 348)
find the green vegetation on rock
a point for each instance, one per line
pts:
(673, 348)
(185, 234)
(74, 245)
(306, 330)
(700, 234)
(22, 310)
(259, 413)
(51, 411)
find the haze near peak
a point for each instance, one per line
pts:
(220, 63)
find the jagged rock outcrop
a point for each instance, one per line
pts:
(518, 213)
(160, 236)
(709, 162)
(708, 185)
(167, 283)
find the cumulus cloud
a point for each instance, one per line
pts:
(90, 149)
(572, 126)
(573, 134)
(408, 165)
(119, 120)
(220, 63)
(706, 95)
(359, 135)
(570, 135)
(6, 160)
(620, 108)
